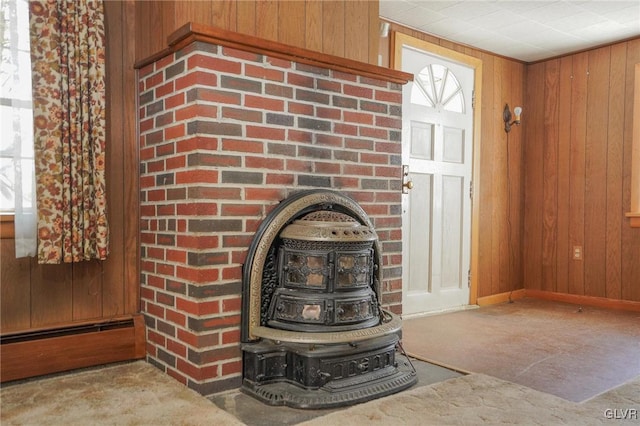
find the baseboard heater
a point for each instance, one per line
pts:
(42, 352)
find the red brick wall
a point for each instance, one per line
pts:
(224, 136)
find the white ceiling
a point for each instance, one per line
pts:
(520, 29)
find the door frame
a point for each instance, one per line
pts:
(397, 41)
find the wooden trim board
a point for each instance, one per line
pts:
(501, 297)
(24, 359)
(576, 299)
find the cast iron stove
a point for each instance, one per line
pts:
(313, 331)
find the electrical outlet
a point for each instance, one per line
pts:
(577, 252)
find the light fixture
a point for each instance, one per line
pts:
(384, 29)
(506, 116)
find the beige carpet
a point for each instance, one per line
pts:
(139, 394)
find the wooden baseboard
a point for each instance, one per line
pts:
(501, 297)
(37, 357)
(576, 299)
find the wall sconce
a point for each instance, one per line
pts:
(506, 116)
(384, 29)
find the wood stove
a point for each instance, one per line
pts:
(314, 334)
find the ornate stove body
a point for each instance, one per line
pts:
(314, 334)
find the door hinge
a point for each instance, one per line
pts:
(469, 279)
(473, 99)
(471, 190)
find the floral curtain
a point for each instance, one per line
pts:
(67, 54)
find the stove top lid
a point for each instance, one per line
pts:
(325, 225)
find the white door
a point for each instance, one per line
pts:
(437, 147)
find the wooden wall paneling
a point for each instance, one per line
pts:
(223, 14)
(577, 166)
(564, 173)
(596, 172)
(246, 17)
(550, 176)
(534, 134)
(516, 176)
(313, 23)
(356, 30)
(267, 19)
(15, 292)
(615, 152)
(291, 23)
(87, 283)
(113, 288)
(333, 27)
(151, 36)
(189, 11)
(51, 294)
(484, 188)
(374, 32)
(501, 226)
(630, 236)
(169, 19)
(131, 164)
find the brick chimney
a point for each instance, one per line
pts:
(229, 126)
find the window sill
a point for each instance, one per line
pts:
(634, 219)
(7, 229)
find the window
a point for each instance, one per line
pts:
(437, 87)
(16, 144)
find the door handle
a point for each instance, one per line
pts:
(407, 183)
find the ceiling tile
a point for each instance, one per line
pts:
(525, 30)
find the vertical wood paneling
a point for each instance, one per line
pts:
(15, 298)
(150, 22)
(564, 173)
(374, 31)
(313, 21)
(630, 236)
(534, 179)
(223, 14)
(291, 23)
(113, 290)
(516, 177)
(333, 27)
(246, 16)
(490, 108)
(615, 150)
(596, 176)
(550, 177)
(267, 19)
(86, 278)
(577, 166)
(498, 204)
(51, 294)
(356, 17)
(593, 161)
(130, 167)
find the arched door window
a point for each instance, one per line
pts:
(437, 87)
